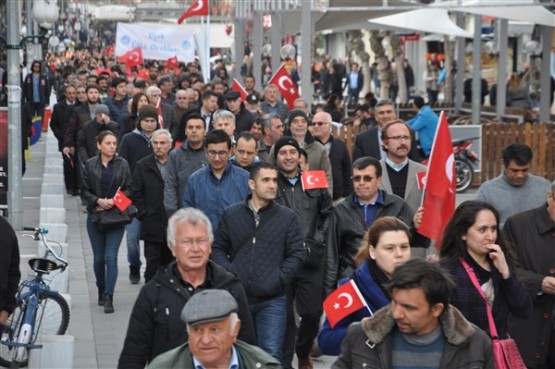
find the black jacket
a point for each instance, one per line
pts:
(313, 207)
(44, 89)
(58, 123)
(91, 180)
(77, 119)
(243, 120)
(341, 170)
(9, 267)
(347, 230)
(155, 325)
(134, 146)
(86, 139)
(265, 254)
(147, 179)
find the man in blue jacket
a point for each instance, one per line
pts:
(424, 124)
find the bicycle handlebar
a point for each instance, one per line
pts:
(40, 234)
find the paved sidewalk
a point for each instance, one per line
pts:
(98, 336)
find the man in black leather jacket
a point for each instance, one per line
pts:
(355, 214)
(314, 209)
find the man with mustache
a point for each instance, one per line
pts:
(399, 172)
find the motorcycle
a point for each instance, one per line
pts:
(464, 160)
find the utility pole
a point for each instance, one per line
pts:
(15, 213)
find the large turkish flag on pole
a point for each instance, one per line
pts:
(440, 184)
(286, 86)
(132, 58)
(199, 7)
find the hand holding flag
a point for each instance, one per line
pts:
(314, 179)
(121, 201)
(343, 302)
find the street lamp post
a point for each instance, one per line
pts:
(14, 43)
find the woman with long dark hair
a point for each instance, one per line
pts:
(385, 246)
(472, 235)
(102, 176)
(129, 122)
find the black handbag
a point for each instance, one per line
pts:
(315, 252)
(113, 218)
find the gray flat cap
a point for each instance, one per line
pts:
(101, 108)
(208, 306)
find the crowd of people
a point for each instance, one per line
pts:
(236, 247)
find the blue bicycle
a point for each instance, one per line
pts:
(40, 310)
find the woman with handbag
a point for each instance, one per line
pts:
(384, 247)
(103, 175)
(472, 245)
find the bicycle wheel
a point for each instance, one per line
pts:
(51, 318)
(10, 334)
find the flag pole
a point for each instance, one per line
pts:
(207, 30)
(360, 296)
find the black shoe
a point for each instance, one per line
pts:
(134, 274)
(108, 304)
(100, 297)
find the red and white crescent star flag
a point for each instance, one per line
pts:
(172, 62)
(343, 302)
(132, 58)
(110, 50)
(313, 179)
(286, 86)
(441, 183)
(160, 116)
(121, 201)
(239, 88)
(199, 7)
(421, 180)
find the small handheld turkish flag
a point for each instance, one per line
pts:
(314, 179)
(173, 62)
(343, 302)
(199, 7)
(160, 115)
(121, 201)
(286, 86)
(132, 58)
(421, 180)
(237, 87)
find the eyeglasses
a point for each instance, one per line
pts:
(189, 242)
(366, 179)
(318, 124)
(398, 138)
(213, 153)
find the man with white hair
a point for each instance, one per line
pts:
(155, 325)
(213, 326)
(225, 120)
(168, 115)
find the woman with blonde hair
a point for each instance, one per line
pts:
(384, 247)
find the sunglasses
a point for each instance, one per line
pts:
(366, 179)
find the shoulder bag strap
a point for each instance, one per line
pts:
(472, 276)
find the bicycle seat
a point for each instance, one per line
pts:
(40, 265)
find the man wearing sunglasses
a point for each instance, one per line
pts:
(355, 214)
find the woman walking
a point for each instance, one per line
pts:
(102, 176)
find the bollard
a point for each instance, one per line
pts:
(52, 215)
(56, 352)
(51, 201)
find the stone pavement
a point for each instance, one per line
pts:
(98, 336)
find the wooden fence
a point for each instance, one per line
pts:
(495, 136)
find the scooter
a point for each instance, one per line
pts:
(464, 160)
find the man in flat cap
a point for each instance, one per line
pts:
(213, 326)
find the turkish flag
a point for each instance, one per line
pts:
(121, 201)
(421, 180)
(313, 179)
(199, 7)
(440, 186)
(343, 302)
(110, 50)
(286, 86)
(173, 62)
(160, 116)
(132, 58)
(236, 86)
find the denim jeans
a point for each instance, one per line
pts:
(133, 242)
(269, 320)
(105, 245)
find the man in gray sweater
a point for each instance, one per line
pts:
(515, 190)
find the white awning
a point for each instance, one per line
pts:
(428, 20)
